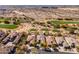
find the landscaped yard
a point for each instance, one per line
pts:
(5, 25)
(8, 26)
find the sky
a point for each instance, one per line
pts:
(39, 2)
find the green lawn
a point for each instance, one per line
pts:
(8, 26)
(65, 22)
(55, 30)
(4, 19)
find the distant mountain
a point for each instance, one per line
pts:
(38, 6)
